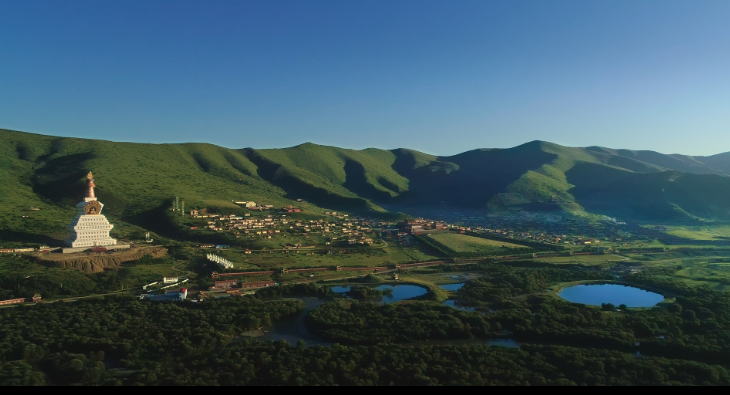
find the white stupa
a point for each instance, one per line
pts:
(89, 227)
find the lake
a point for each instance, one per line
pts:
(398, 292)
(452, 287)
(596, 294)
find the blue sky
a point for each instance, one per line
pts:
(438, 76)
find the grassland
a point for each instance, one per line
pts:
(586, 260)
(318, 258)
(718, 232)
(469, 244)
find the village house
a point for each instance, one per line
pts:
(225, 284)
(257, 285)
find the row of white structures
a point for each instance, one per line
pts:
(224, 263)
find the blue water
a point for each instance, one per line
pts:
(452, 287)
(616, 294)
(497, 342)
(509, 343)
(399, 292)
(452, 303)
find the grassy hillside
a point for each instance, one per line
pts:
(719, 162)
(138, 181)
(651, 161)
(135, 181)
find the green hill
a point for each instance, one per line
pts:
(138, 181)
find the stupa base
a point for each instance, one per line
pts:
(82, 249)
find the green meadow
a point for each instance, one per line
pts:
(469, 244)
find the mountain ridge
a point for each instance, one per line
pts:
(138, 178)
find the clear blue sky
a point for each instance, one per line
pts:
(438, 76)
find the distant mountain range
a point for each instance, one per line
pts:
(133, 179)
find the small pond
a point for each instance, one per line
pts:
(596, 294)
(397, 292)
(452, 303)
(498, 342)
(293, 329)
(452, 287)
(340, 289)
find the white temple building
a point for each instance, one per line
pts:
(89, 227)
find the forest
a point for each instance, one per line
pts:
(696, 326)
(352, 322)
(116, 340)
(130, 330)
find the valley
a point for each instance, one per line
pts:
(321, 252)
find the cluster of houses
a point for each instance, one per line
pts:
(548, 228)
(255, 206)
(353, 232)
(416, 226)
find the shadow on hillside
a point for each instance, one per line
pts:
(55, 148)
(470, 179)
(157, 221)
(24, 237)
(631, 164)
(236, 164)
(297, 188)
(660, 196)
(60, 179)
(357, 182)
(602, 189)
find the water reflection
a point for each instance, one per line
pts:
(452, 287)
(293, 329)
(397, 292)
(596, 294)
(454, 304)
(497, 342)
(340, 289)
(401, 292)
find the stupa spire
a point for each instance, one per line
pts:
(90, 193)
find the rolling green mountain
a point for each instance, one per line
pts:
(138, 181)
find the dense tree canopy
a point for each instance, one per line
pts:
(281, 364)
(133, 330)
(125, 341)
(368, 323)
